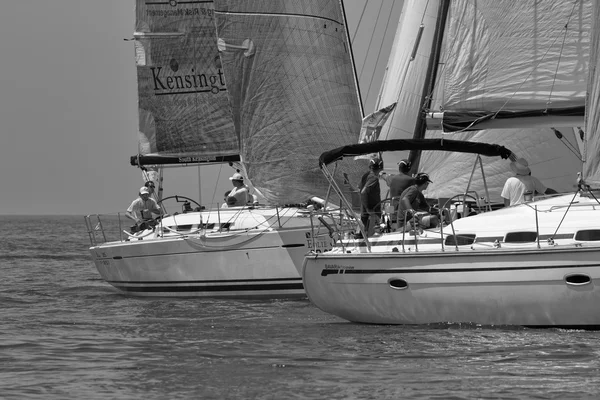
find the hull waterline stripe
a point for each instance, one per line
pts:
(220, 288)
(195, 252)
(204, 281)
(326, 272)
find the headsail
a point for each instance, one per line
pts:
(293, 90)
(407, 73)
(184, 112)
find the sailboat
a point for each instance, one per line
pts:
(533, 264)
(262, 86)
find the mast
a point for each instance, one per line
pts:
(432, 70)
(360, 101)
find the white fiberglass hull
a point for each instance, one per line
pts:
(509, 288)
(530, 284)
(260, 262)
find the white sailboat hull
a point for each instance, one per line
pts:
(508, 288)
(530, 284)
(259, 262)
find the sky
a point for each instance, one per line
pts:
(68, 104)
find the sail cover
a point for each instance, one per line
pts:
(184, 112)
(293, 91)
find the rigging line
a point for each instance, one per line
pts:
(380, 49)
(566, 212)
(566, 28)
(371, 40)
(531, 72)
(423, 16)
(359, 23)
(567, 143)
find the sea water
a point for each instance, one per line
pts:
(66, 334)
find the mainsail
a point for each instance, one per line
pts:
(525, 57)
(521, 60)
(591, 172)
(293, 91)
(184, 111)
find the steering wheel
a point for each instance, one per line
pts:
(178, 199)
(463, 198)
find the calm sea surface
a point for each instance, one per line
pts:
(65, 334)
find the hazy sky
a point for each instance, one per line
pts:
(68, 105)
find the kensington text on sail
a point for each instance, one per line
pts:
(173, 84)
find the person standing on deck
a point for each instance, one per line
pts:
(370, 195)
(520, 188)
(398, 183)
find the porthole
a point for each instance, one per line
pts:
(520, 237)
(589, 235)
(577, 279)
(460, 240)
(398, 283)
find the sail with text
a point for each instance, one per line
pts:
(184, 111)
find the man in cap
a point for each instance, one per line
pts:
(414, 204)
(239, 195)
(370, 195)
(398, 183)
(521, 187)
(141, 210)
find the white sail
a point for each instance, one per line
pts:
(406, 73)
(591, 172)
(507, 55)
(539, 63)
(293, 90)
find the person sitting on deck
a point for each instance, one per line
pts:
(141, 210)
(414, 204)
(239, 194)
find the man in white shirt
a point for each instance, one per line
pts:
(239, 195)
(520, 188)
(142, 208)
